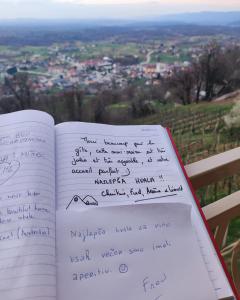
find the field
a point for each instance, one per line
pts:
(199, 131)
(31, 50)
(99, 50)
(81, 51)
(169, 58)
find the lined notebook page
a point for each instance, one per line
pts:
(105, 165)
(134, 252)
(27, 207)
(101, 165)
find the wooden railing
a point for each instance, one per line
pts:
(220, 213)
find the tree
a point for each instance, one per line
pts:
(20, 87)
(74, 104)
(232, 72)
(213, 68)
(100, 104)
(182, 84)
(198, 74)
(141, 104)
(8, 104)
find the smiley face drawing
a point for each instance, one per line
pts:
(87, 200)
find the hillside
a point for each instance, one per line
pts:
(200, 131)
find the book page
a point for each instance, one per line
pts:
(102, 165)
(144, 252)
(27, 207)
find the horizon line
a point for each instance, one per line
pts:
(139, 18)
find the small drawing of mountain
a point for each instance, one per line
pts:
(89, 200)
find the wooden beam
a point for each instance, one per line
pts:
(223, 210)
(215, 168)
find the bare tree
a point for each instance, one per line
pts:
(21, 88)
(74, 104)
(232, 70)
(198, 74)
(182, 84)
(213, 67)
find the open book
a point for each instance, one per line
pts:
(90, 211)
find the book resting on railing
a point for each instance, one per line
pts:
(92, 211)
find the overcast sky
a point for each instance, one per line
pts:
(118, 9)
